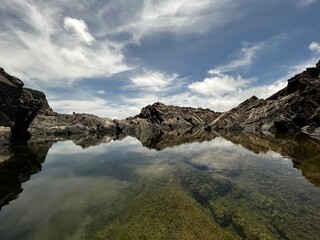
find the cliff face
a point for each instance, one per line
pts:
(17, 108)
(294, 108)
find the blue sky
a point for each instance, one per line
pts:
(113, 57)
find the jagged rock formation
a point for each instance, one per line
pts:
(294, 108)
(67, 124)
(17, 108)
(159, 116)
(174, 116)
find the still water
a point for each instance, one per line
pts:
(189, 186)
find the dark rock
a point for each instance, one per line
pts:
(17, 164)
(285, 125)
(68, 124)
(17, 106)
(41, 97)
(294, 108)
(161, 117)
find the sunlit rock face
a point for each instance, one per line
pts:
(296, 107)
(18, 107)
(159, 116)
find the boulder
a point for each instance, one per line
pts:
(17, 107)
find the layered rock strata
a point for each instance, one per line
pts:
(294, 108)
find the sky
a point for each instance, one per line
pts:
(113, 57)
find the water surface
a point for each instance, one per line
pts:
(185, 186)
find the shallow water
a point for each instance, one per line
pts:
(229, 187)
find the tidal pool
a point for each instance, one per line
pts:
(221, 186)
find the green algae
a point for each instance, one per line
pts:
(188, 202)
(164, 210)
(200, 191)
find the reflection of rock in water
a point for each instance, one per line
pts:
(161, 140)
(82, 140)
(151, 139)
(301, 149)
(22, 162)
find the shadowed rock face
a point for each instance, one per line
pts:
(294, 108)
(17, 106)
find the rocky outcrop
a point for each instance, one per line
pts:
(17, 108)
(41, 97)
(161, 117)
(175, 117)
(68, 124)
(294, 108)
(48, 122)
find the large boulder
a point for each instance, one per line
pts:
(17, 107)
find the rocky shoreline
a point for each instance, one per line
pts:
(296, 108)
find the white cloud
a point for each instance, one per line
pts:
(301, 66)
(315, 47)
(248, 53)
(237, 91)
(180, 16)
(94, 105)
(218, 84)
(80, 106)
(305, 3)
(53, 48)
(150, 80)
(101, 92)
(79, 27)
(243, 58)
